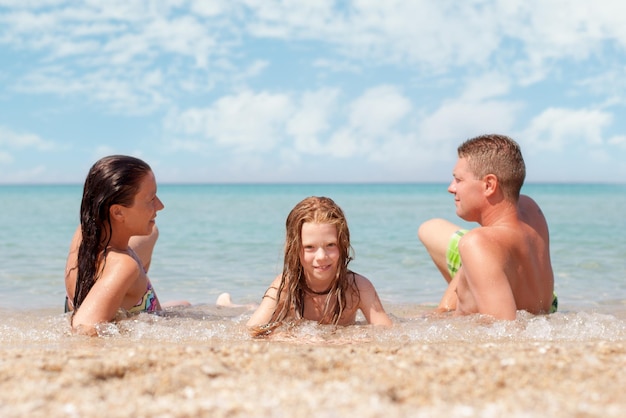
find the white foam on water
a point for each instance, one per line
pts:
(205, 323)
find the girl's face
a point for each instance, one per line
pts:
(140, 216)
(320, 254)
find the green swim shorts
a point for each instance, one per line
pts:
(555, 303)
(453, 260)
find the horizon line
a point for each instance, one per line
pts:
(321, 183)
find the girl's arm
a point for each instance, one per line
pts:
(370, 304)
(264, 312)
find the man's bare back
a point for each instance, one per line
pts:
(507, 267)
(504, 265)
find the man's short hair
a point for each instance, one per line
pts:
(498, 155)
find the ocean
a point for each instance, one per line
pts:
(201, 361)
(229, 238)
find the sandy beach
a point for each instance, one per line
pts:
(119, 377)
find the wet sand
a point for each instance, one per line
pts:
(118, 377)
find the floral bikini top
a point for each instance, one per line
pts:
(147, 303)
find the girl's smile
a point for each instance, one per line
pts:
(320, 254)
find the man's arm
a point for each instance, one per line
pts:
(449, 299)
(486, 289)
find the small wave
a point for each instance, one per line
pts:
(200, 324)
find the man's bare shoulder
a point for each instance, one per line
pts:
(486, 243)
(531, 214)
(483, 235)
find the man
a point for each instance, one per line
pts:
(503, 265)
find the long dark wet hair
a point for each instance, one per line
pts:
(321, 210)
(112, 180)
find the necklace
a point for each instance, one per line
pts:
(309, 290)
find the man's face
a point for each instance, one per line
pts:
(467, 191)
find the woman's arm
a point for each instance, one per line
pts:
(143, 245)
(107, 295)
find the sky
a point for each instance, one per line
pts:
(313, 91)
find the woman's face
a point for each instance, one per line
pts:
(320, 254)
(140, 216)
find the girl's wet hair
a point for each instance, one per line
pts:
(290, 294)
(112, 180)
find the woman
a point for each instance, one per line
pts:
(106, 274)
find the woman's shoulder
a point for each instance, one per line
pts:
(121, 263)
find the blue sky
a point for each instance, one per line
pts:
(310, 90)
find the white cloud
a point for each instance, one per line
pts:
(18, 4)
(609, 84)
(337, 66)
(186, 145)
(109, 52)
(378, 110)
(570, 28)
(289, 19)
(372, 118)
(619, 140)
(370, 121)
(254, 69)
(419, 142)
(313, 122)
(456, 120)
(557, 128)
(312, 119)
(101, 151)
(343, 143)
(5, 157)
(521, 36)
(392, 82)
(182, 36)
(418, 32)
(25, 175)
(210, 8)
(379, 125)
(117, 38)
(17, 140)
(486, 86)
(247, 121)
(128, 93)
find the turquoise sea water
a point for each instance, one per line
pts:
(229, 238)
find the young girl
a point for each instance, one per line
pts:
(103, 273)
(315, 283)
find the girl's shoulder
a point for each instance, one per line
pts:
(360, 281)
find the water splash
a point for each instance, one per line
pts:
(206, 323)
